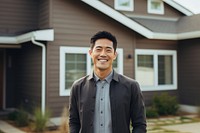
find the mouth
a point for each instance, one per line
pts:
(102, 60)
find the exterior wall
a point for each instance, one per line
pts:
(44, 14)
(189, 71)
(143, 43)
(73, 27)
(74, 23)
(193, 22)
(18, 16)
(10, 77)
(140, 8)
(28, 71)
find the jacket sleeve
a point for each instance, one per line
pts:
(138, 114)
(74, 122)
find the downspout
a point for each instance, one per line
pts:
(43, 92)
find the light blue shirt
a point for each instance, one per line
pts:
(102, 115)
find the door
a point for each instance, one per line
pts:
(1, 78)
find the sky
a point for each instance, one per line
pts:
(192, 5)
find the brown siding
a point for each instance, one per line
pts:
(18, 16)
(189, 23)
(189, 71)
(74, 23)
(44, 14)
(143, 43)
(140, 8)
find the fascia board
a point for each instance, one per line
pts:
(188, 35)
(119, 17)
(8, 40)
(178, 7)
(40, 35)
(44, 35)
(165, 36)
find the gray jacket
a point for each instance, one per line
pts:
(126, 103)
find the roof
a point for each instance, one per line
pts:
(153, 28)
(191, 5)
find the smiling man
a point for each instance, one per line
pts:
(105, 101)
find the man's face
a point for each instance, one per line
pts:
(103, 54)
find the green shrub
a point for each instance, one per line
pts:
(12, 116)
(165, 104)
(151, 112)
(40, 120)
(22, 118)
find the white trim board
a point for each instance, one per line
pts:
(39, 35)
(133, 25)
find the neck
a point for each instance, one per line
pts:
(102, 74)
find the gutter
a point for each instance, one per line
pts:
(43, 73)
(34, 37)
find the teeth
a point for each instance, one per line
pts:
(103, 60)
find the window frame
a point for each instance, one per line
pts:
(156, 53)
(161, 11)
(81, 50)
(124, 8)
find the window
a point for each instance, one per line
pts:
(75, 62)
(156, 69)
(156, 6)
(126, 5)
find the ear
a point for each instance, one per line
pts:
(90, 52)
(115, 55)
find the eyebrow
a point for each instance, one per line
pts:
(102, 47)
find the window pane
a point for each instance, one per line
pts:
(145, 70)
(75, 68)
(165, 73)
(156, 5)
(124, 2)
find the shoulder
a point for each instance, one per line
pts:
(128, 82)
(80, 81)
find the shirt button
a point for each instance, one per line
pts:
(101, 124)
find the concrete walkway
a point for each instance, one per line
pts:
(7, 128)
(185, 128)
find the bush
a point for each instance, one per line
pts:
(12, 116)
(165, 104)
(151, 112)
(64, 128)
(22, 118)
(40, 120)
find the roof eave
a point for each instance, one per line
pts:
(133, 25)
(40, 35)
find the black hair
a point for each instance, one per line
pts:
(101, 35)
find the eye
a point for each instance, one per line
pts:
(109, 50)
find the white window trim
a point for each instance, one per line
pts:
(81, 50)
(63, 51)
(155, 53)
(128, 8)
(155, 11)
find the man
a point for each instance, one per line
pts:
(105, 101)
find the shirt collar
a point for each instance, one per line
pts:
(114, 76)
(107, 79)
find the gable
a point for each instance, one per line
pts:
(138, 27)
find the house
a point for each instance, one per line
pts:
(44, 48)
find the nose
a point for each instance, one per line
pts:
(103, 53)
